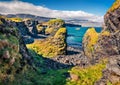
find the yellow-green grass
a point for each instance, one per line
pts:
(15, 19)
(52, 46)
(115, 5)
(88, 75)
(91, 38)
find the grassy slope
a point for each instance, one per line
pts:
(35, 77)
(56, 77)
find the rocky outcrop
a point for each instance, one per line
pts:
(89, 40)
(109, 38)
(13, 52)
(111, 75)
(27, 28)
(31, 25)
(51, 46)
(53, 26)
(108, 45)
(112, 24)
(41, 29)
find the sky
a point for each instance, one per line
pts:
(91, 9)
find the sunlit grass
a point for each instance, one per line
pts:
(87, 76)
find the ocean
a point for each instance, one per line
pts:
(75, 35)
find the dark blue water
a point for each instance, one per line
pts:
(75, 35)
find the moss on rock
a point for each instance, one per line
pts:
(115, 5)
(86, 76)
(89, 40)
(15, 19)
(53, 26)
(11, 60)
(40, 29)
(51, 46)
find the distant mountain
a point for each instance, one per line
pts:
(84, 23)
(71, 22)
(37, 18)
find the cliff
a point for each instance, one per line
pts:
(13, 52)
(53, 26)
(108, 45)
(51, 46)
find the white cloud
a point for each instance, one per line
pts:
(16, 7)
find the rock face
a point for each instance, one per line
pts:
(27, 29)
(31, 25)
(41, 29)
(111, 75)
(108, 42)
(108, 45)
(89, 40)
(13, 52)
(53, 26)
(112, 24)
(51, 46)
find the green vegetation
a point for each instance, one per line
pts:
(1, 22)
(50, 30)
(53, 26)
(15, 19)
(109, 83)
(60, 34)
(51, 46)
(2, 17)
(115, 6)
(32, 76)
(40, 29)
(105, 33)
(89, 40)
(55, 22)
(88, 75)
(9, 57)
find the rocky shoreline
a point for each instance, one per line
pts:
(74, 57)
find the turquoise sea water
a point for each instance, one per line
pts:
(75, 35)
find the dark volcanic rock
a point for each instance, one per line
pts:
(108, 42)
(31, 25)
(75, 59)
(110, 46)
(27, 30)
(112, 72)
(13, 52)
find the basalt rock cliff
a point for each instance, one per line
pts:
(107, 44)
(13, 52)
